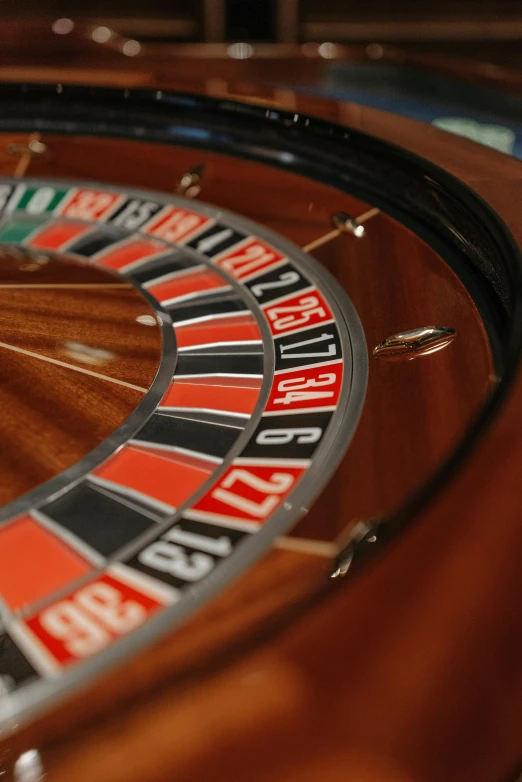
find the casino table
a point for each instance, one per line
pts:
(260, 462)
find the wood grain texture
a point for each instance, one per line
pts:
(411, 671)
(396, 281)
(278, 588)
(55, 414)
(75, 324)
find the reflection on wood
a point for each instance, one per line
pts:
(69, 378)
(411, 671)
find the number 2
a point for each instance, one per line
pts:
(278, 484)
(307, 307)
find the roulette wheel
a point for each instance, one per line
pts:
(260, 444)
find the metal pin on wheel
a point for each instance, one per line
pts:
(190, 183)
(26, 151)
(414, 343)
(362, 536)
(29, 767)
(343, 224)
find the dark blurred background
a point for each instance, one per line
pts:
(457, 63)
